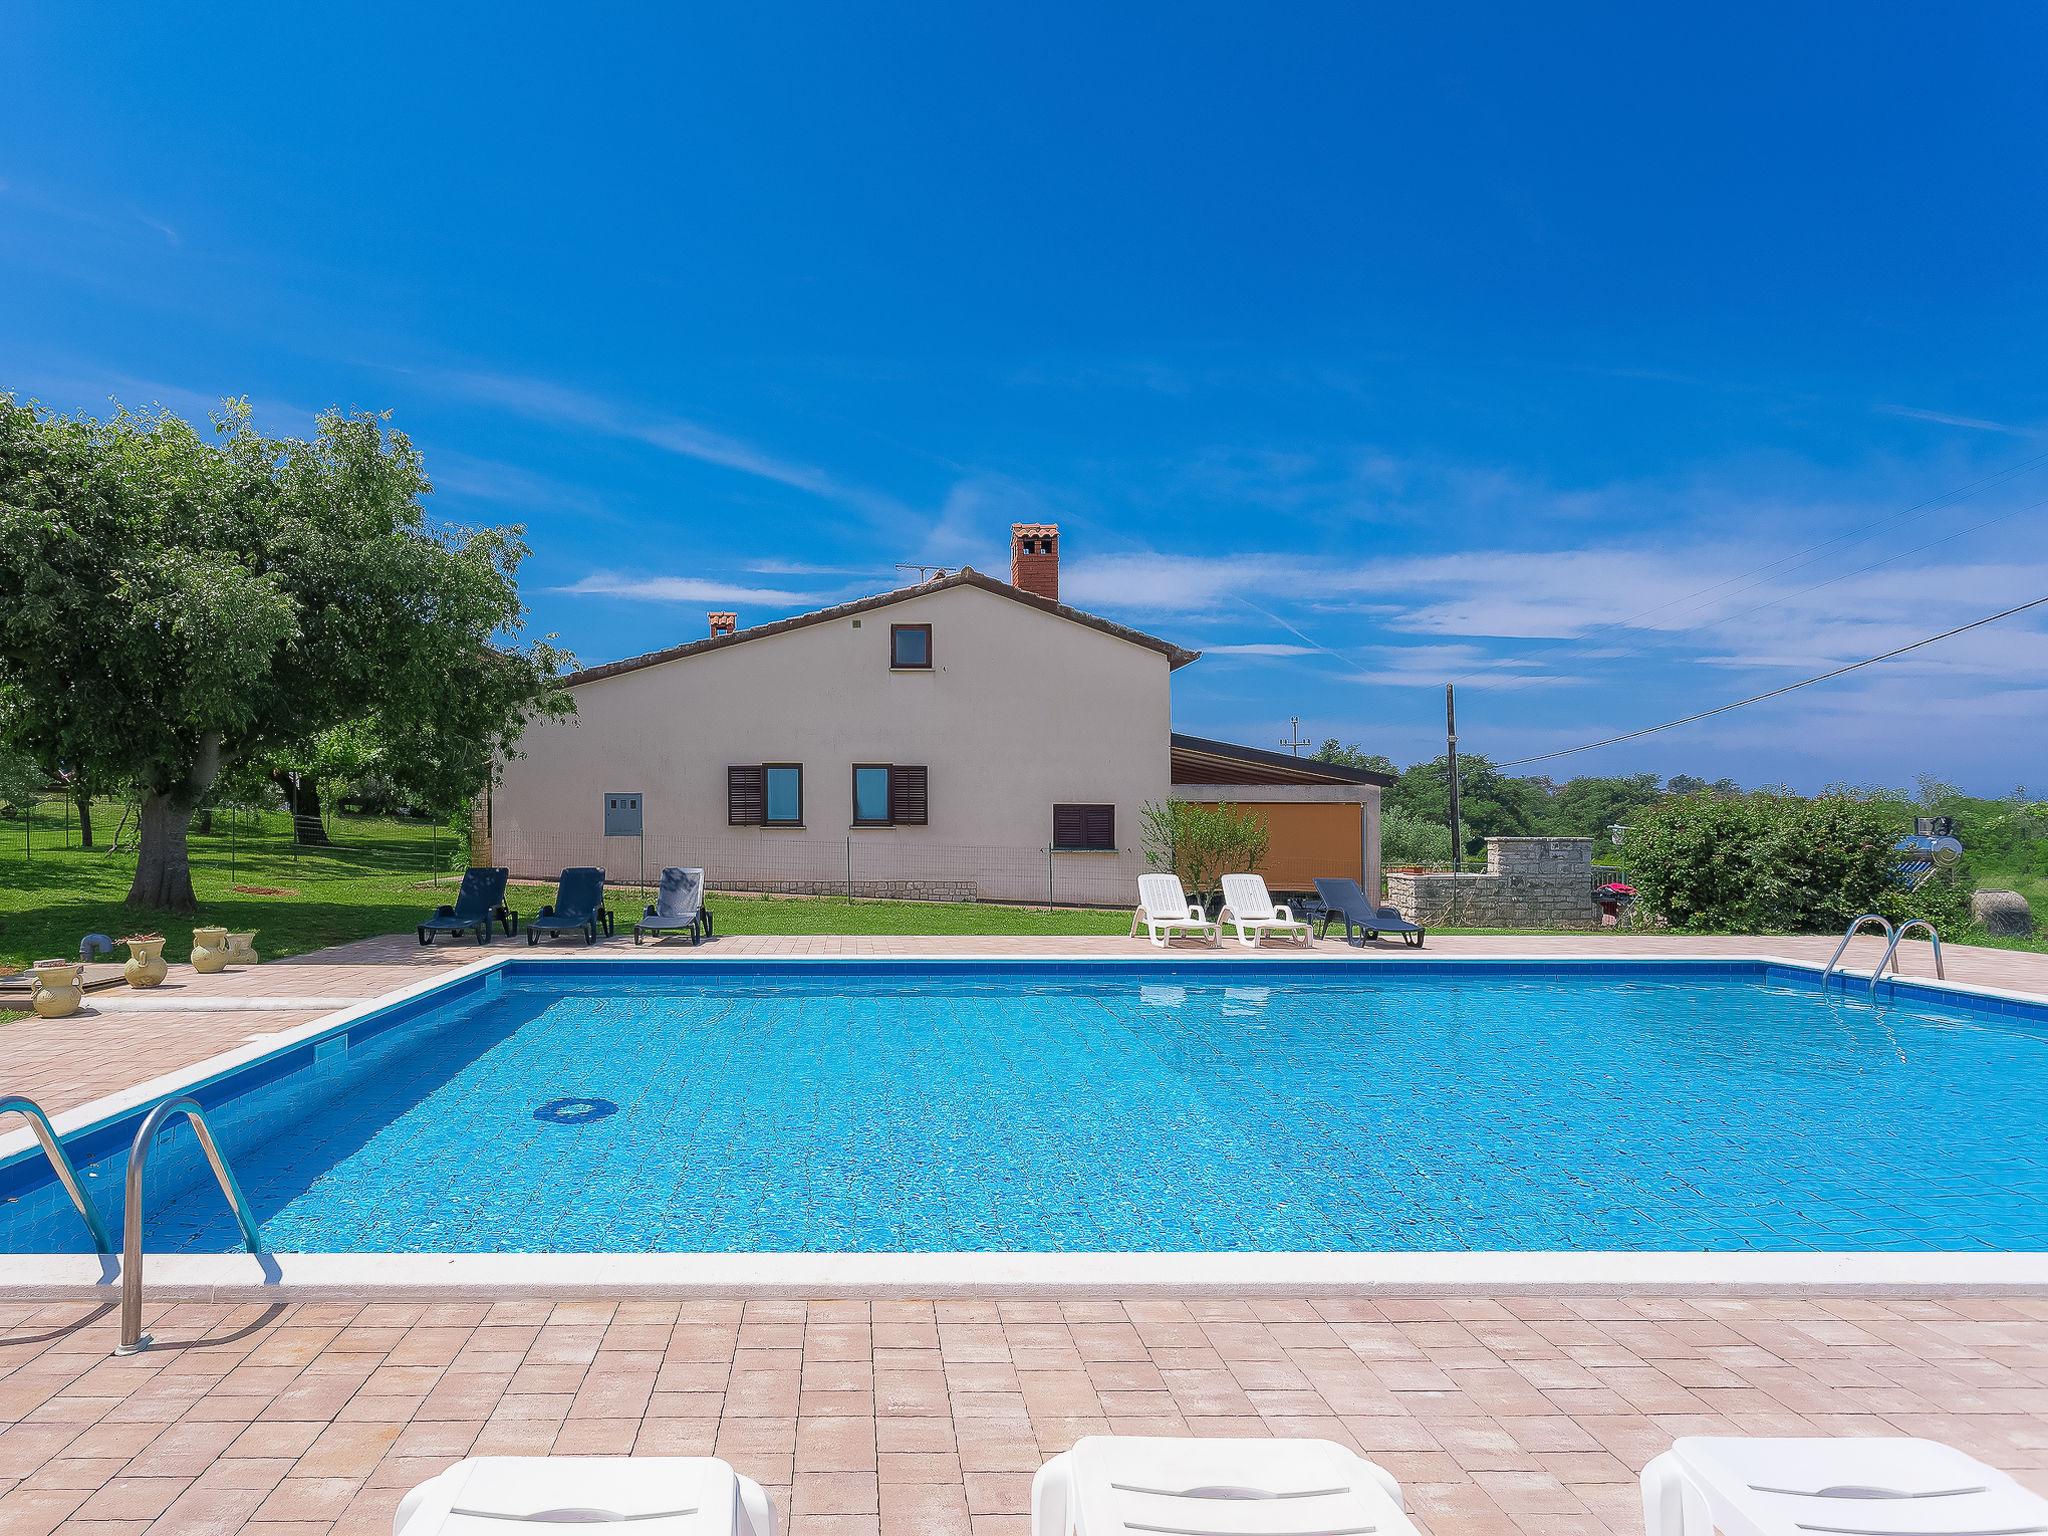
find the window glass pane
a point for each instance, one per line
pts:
(913, 647)
(871, 794)
(785, 794)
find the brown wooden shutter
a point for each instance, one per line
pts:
(1084, 826)
(746, 796)
(908, 803)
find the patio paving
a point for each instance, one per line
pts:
(928, 1417)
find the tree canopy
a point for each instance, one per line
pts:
(180, 605)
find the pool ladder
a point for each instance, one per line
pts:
(1891, 948)
(133, 1339)
(60, 1164)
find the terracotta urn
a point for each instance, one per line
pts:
(209, 950)
(55, 990)
(146, 966)
(242, 948)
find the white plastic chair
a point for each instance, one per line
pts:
(1164, 910)
(1248, 907)
(1120, 1485)
(1796, 1487)
(649, 1495)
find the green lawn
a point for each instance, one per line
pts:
(379, 878)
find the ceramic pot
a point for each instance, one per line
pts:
(209, 950)
(55, 990)
(146, 966)
(242, 948)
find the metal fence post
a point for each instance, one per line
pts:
(1048, 877)
(849, 866)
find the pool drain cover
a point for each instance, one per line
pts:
(574, 1111)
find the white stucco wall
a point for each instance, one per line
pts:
(1021, 710)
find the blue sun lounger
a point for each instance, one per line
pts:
(679, 908)
(1343, 900)
(578, 907)
(478, 904)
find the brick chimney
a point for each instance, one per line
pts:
(723, 623)
(1035, 558)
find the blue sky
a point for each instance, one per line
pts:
(1611, 361)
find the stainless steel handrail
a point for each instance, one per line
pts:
(60, 1164)
(1849, 933)
(133, 1339)
(1891, 951)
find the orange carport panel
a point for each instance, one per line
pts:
(1310, 839)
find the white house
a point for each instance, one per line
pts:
(963, 738)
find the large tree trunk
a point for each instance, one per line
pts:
(163, 875)
(302, 799)
(163, 872)
(82, 797)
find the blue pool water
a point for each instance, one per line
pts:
(564, 1108)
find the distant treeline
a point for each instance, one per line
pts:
(1415, 829)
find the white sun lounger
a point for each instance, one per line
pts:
(1248, 907)
(1883, 1487)
(1164, 910)
(648, 1495)
(1122, 1485)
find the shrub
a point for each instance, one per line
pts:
(1203, 843)
(1406, 838)
(1767, 863)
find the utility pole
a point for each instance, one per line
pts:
(1451, 735)
(1295, 740)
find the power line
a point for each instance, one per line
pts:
(1651, 730)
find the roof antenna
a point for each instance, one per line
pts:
(1295, 740)
(924, 572)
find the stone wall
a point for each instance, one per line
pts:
(1529, 882)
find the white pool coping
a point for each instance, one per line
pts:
(394, 1276)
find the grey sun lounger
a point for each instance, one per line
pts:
(1344, 901)
(478, 904)
(679, 908)
(578, 907)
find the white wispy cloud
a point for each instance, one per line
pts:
(1260, 648)
(1946, 419)
(687, 589)
(541, 400)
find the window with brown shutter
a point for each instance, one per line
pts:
(746, 796)
(1084, 828)
(909, 805)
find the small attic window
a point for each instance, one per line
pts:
(910, 646)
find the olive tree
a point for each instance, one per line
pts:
(179, 604)
(1202, 843)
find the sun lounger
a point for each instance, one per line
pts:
(478, 904)
(1343, 899)
(578, 907)
(1248, 907)
(1873, 1484)
(1164, 910)
(648, 1495)
(1119, 1485)
(679, 908)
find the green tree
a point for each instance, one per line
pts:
(177, 606)
(1203, 843)
(1587, 807)
(1490, 803)
(1355, 756)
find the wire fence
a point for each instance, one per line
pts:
(884, 865)
(255, 850)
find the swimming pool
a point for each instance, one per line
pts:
(906, 1107)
